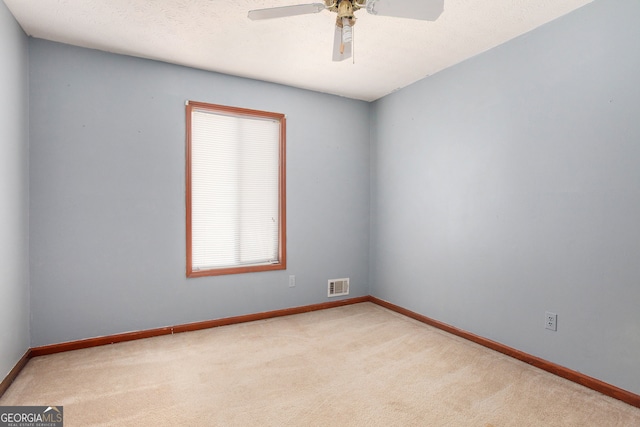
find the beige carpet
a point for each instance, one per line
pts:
(359, 365)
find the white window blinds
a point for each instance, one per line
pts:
(235, 189)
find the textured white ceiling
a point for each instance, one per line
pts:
(216, 35)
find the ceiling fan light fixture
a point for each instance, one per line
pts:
(347, 34)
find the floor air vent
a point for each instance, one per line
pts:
(338, 287)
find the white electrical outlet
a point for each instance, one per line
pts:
(292, 281)
(551, 321)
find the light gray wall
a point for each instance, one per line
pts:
(509, 185)
(14, 192)
(108, 189)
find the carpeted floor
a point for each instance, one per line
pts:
(358, 365)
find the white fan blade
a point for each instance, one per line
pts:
(426, 10)
(281, 12)
(341, 51)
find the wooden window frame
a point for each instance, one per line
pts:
(282, 238)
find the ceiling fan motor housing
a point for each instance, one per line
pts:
(345, 9)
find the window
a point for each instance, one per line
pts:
(235, 190)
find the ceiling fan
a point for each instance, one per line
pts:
(425, 10)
